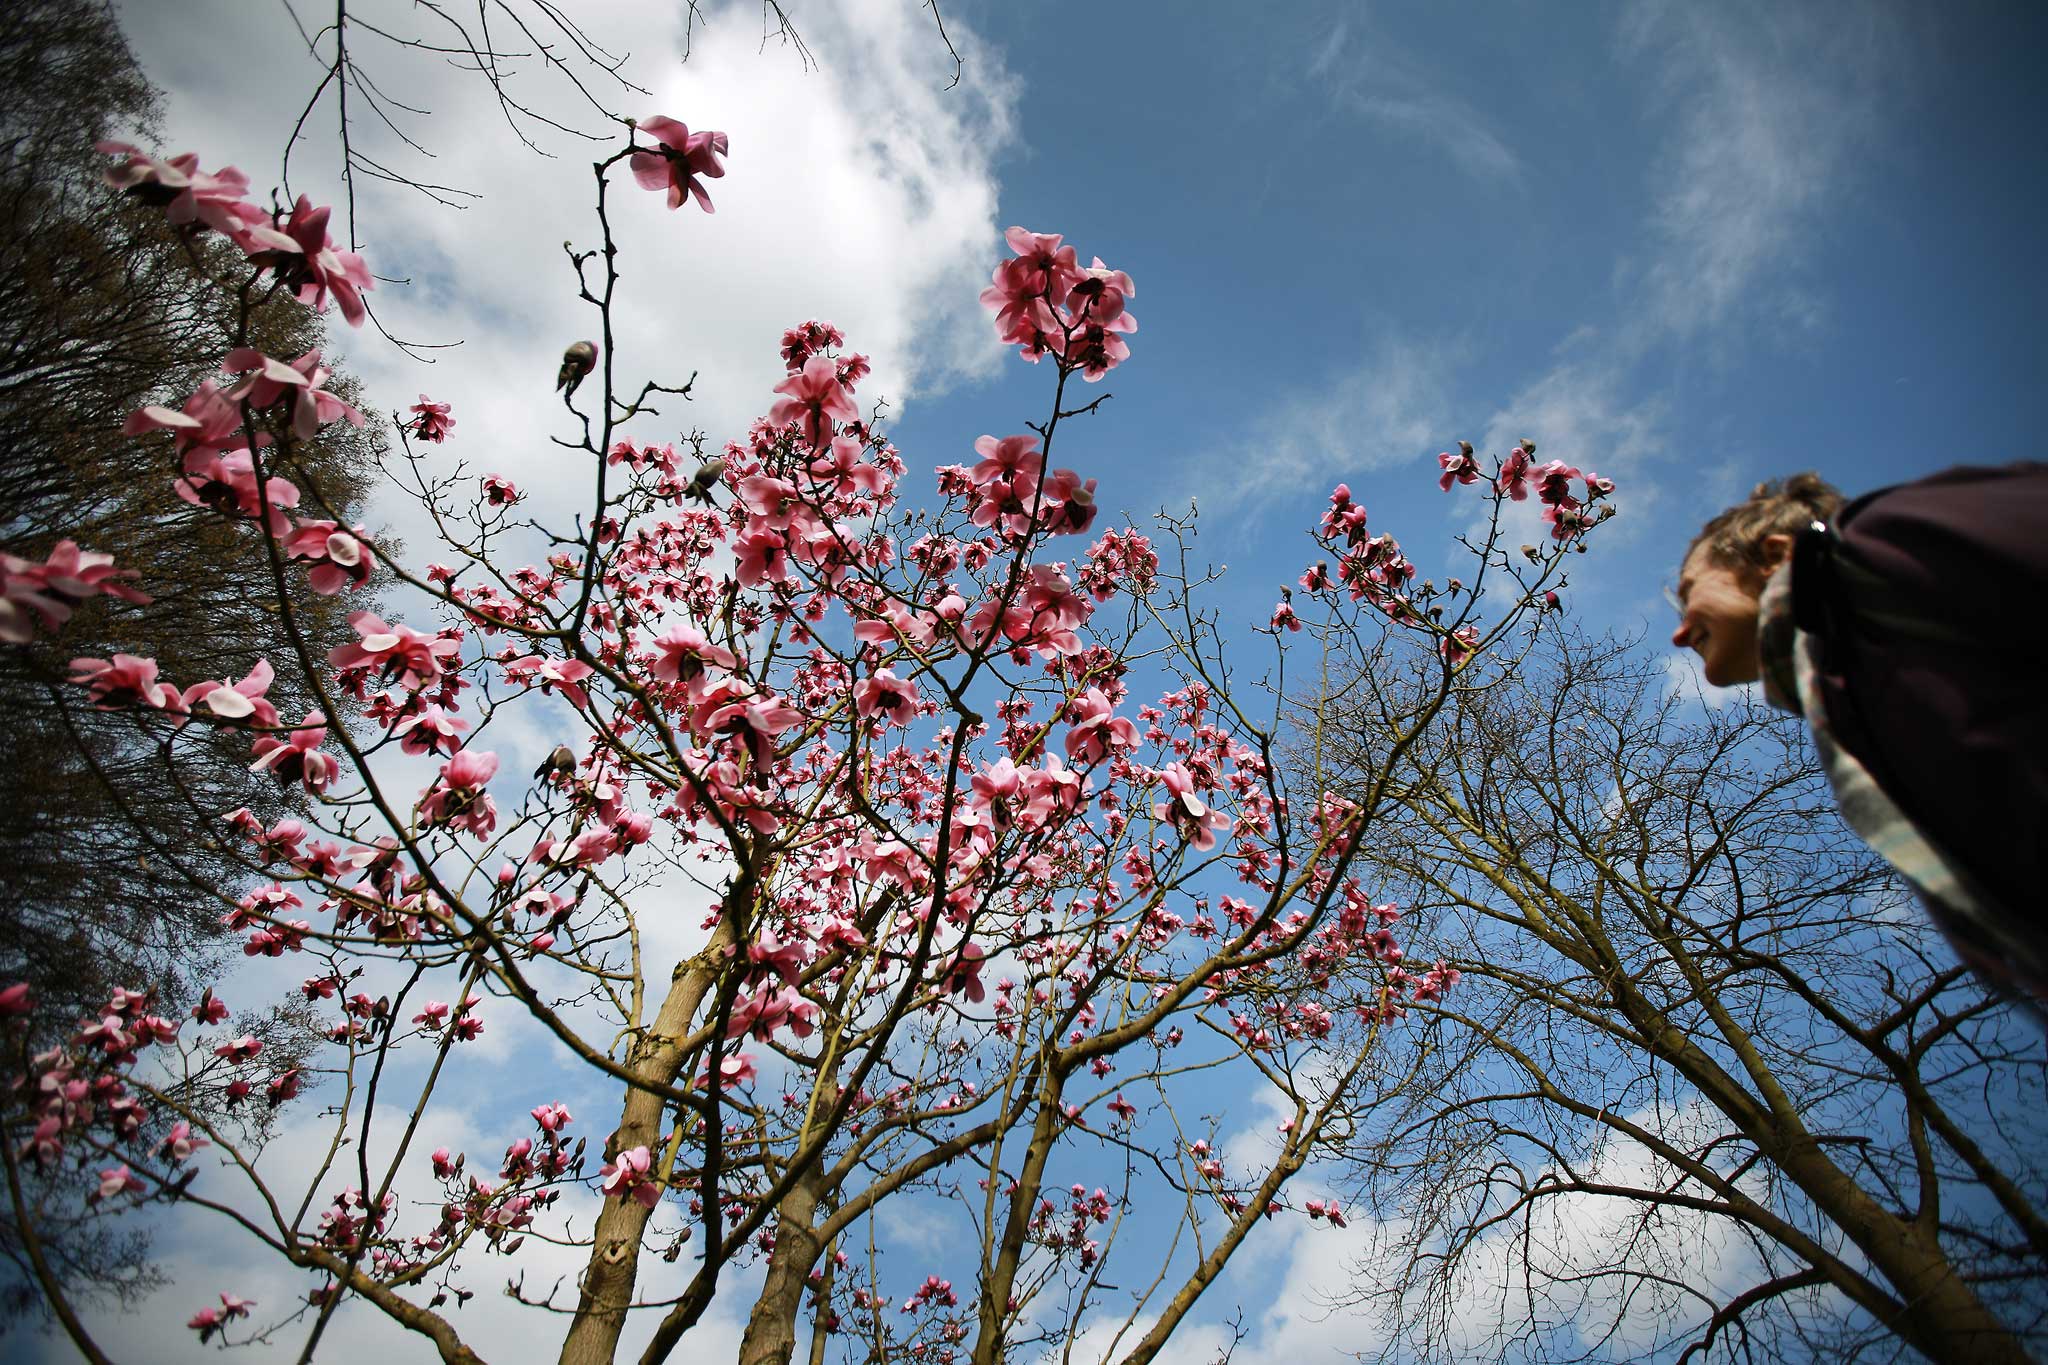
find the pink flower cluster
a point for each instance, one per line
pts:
(209, 1320)
(791, 674)
(1007, 491)
(295, 246)
(1047, 303)
(78, 1098)
(430, 420)
(1566, 513)
(628, 1177)
(50, 590)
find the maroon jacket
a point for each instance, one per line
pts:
(1932, 608)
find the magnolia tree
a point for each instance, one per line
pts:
(972, 923)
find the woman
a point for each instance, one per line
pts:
(1907, 628)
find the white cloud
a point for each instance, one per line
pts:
(861, 192)
(1683, 678)
(1304, 1317)
(1390, 409)
(1580, 411)
(1766, 104)
(1369, 76)
(1775, 101)
(1289, 1319)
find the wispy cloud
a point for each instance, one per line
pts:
(1764, 107)
(1585, 410)
(1683, 677)
(1388, 408)
(1772, 102)
(1370, 76)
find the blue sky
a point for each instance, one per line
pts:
(1688, 246)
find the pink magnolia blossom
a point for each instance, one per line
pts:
(1068, 503)
(242, 700)
(299, 385)
(396, 653)
(188, 196)
(1458, 468)
(1023, 289)
(680, 161)
(227, 483)
(1457, 646)
(209, 1320)
(1554, 484)
(209, 422)
(180, 1143)
(682, 653)
(1094, 730)
(45, 1144)
(733, 1069)
(1195, 820)
(500, 492)
(815, 399)
(1099, 297)
(1514, 474)
(843, 470)
(459, 799)
(839, 934)
(115, 1181)
(963, 973)
(297, 757)
(886, 695)
(1095, 350)
(761, 557)
(340, 559)
(311, 265)
(50, 590)
(430, 730)
(430, 420)
(627, 1177)
(768, 1008)
(783, 957)
(126, 681)
(550, 675)
(803, 341)
(1012, 459)
(756, 723)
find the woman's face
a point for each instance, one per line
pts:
(1717, 607)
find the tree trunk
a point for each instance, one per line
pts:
(1940, 1315)
(771, 1328)
(614, 1265)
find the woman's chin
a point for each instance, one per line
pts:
(1722, 673)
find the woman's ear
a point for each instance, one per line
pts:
(1777, 549)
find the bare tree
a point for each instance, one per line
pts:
(1708, 1068)
(112, 871)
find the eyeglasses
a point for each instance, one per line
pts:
(1676, 602)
